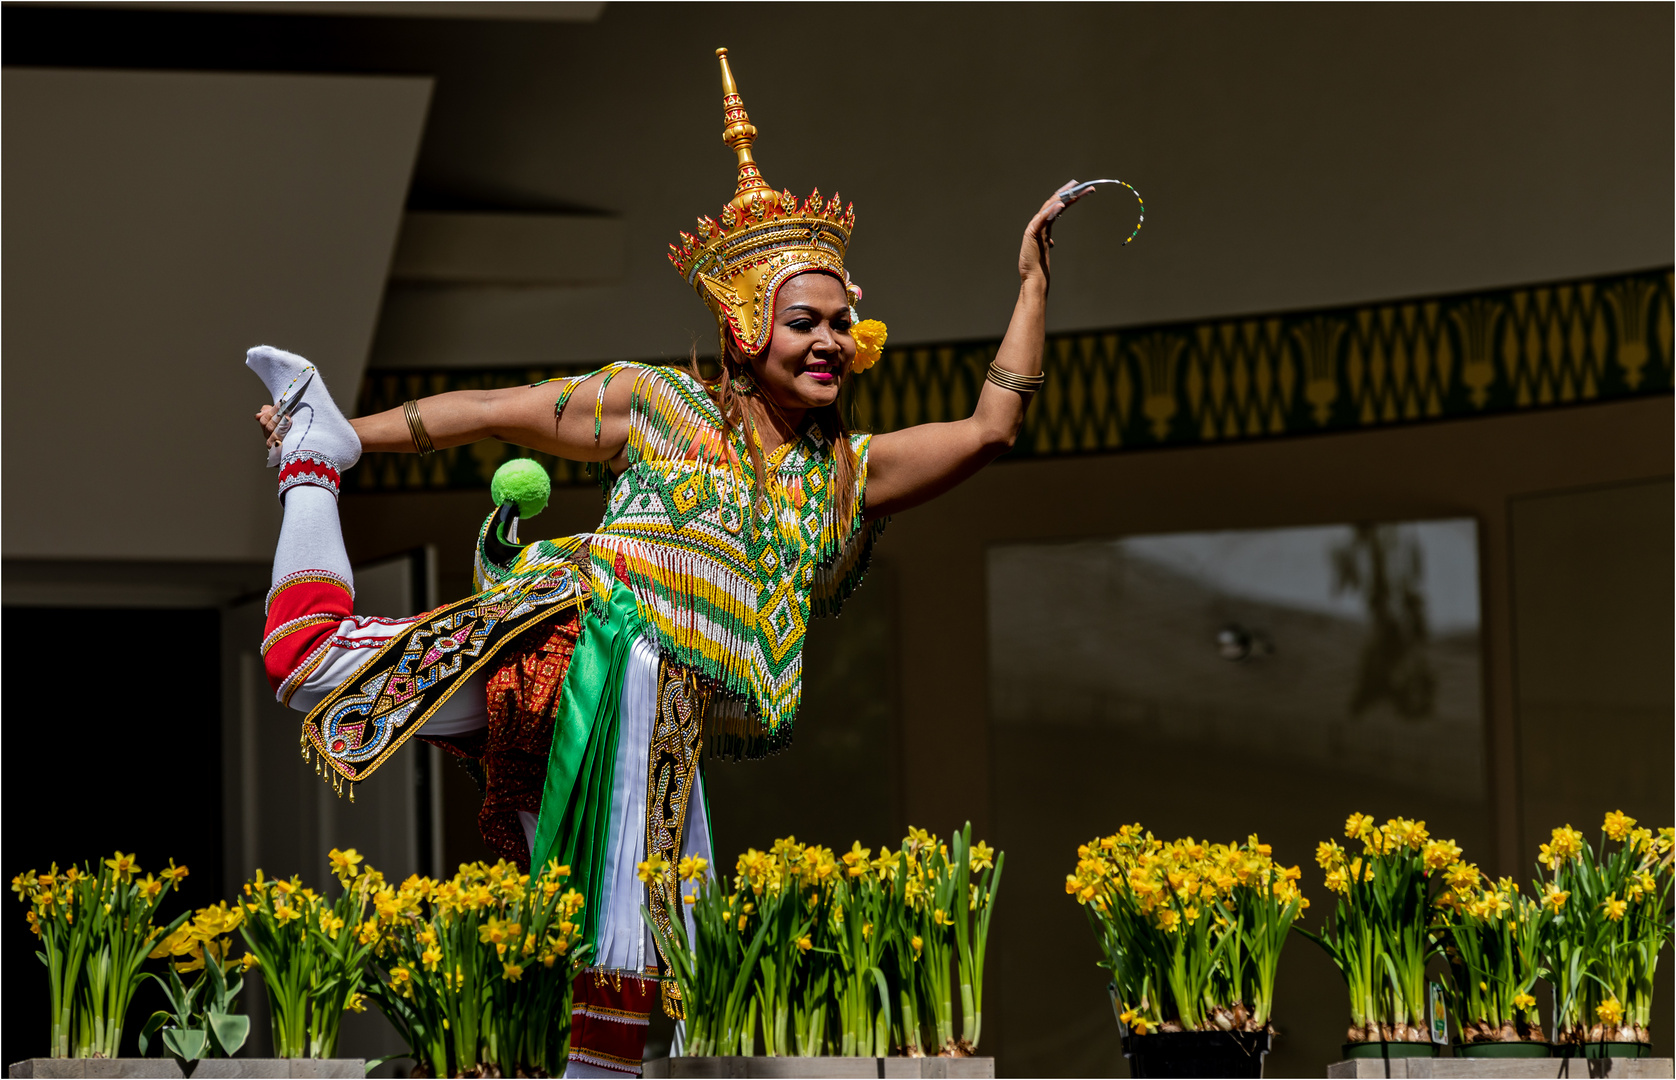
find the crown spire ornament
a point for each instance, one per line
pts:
(739, 134)
(762, 239)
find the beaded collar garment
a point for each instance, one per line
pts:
(724, 580)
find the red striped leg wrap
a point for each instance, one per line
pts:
(609, 1017)
(304, 611)
(307, 467)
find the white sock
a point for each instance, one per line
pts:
(317, 426)
(310, 537)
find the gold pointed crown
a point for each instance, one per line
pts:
(736, 264)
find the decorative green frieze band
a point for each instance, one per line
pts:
(1184, 384)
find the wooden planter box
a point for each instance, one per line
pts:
(208, 1069)
(1493, 1068)
(841, 1068)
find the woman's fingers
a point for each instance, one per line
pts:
(266, 417)
(1057, 203)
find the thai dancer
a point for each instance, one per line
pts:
(592, 673)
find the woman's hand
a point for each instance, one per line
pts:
(1038, 236)
(268, 417)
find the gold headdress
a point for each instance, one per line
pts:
(763, 239)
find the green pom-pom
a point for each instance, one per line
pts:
(524, 481)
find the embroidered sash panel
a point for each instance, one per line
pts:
(671, 768)
(365, 720)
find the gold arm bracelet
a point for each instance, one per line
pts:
(1012, 380)
(416, 428)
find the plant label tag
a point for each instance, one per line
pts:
(1439, 1013)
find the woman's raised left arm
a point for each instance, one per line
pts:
(917, 464)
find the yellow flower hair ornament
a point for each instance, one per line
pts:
(869, 337)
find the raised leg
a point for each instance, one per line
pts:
(313, 590)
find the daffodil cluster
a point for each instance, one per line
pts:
(1380, 932)
(1191, 930)
(475, 971)
(1491, 934)
(202, 1019)
(311, 951)
(208, 932)
(1605, 921)
(95, 926)
(829, 953)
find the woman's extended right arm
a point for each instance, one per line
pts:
(520, 415)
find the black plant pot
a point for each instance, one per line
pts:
(1197, 1053)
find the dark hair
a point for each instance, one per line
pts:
(845, 463)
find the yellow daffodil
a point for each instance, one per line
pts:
(918, 943)
(175, 944)
(1524, 1001)
(1614, 907)
(1564, 843)
(124, 866)
(345, 864)
(1463, 876)
(1617, 825)
(1440, 854)
(1554, 897)
(982, 856)
(1357, 826)
(218, 919)
(1610, 1012)
(512, 972)
(856, 859)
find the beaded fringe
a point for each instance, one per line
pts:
(703, 616)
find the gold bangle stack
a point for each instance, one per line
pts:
(416, 428)
(1012, 380)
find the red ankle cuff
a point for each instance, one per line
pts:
(307, 467)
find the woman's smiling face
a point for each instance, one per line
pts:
(810, 350)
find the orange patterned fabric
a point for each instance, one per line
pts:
(522, 695)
